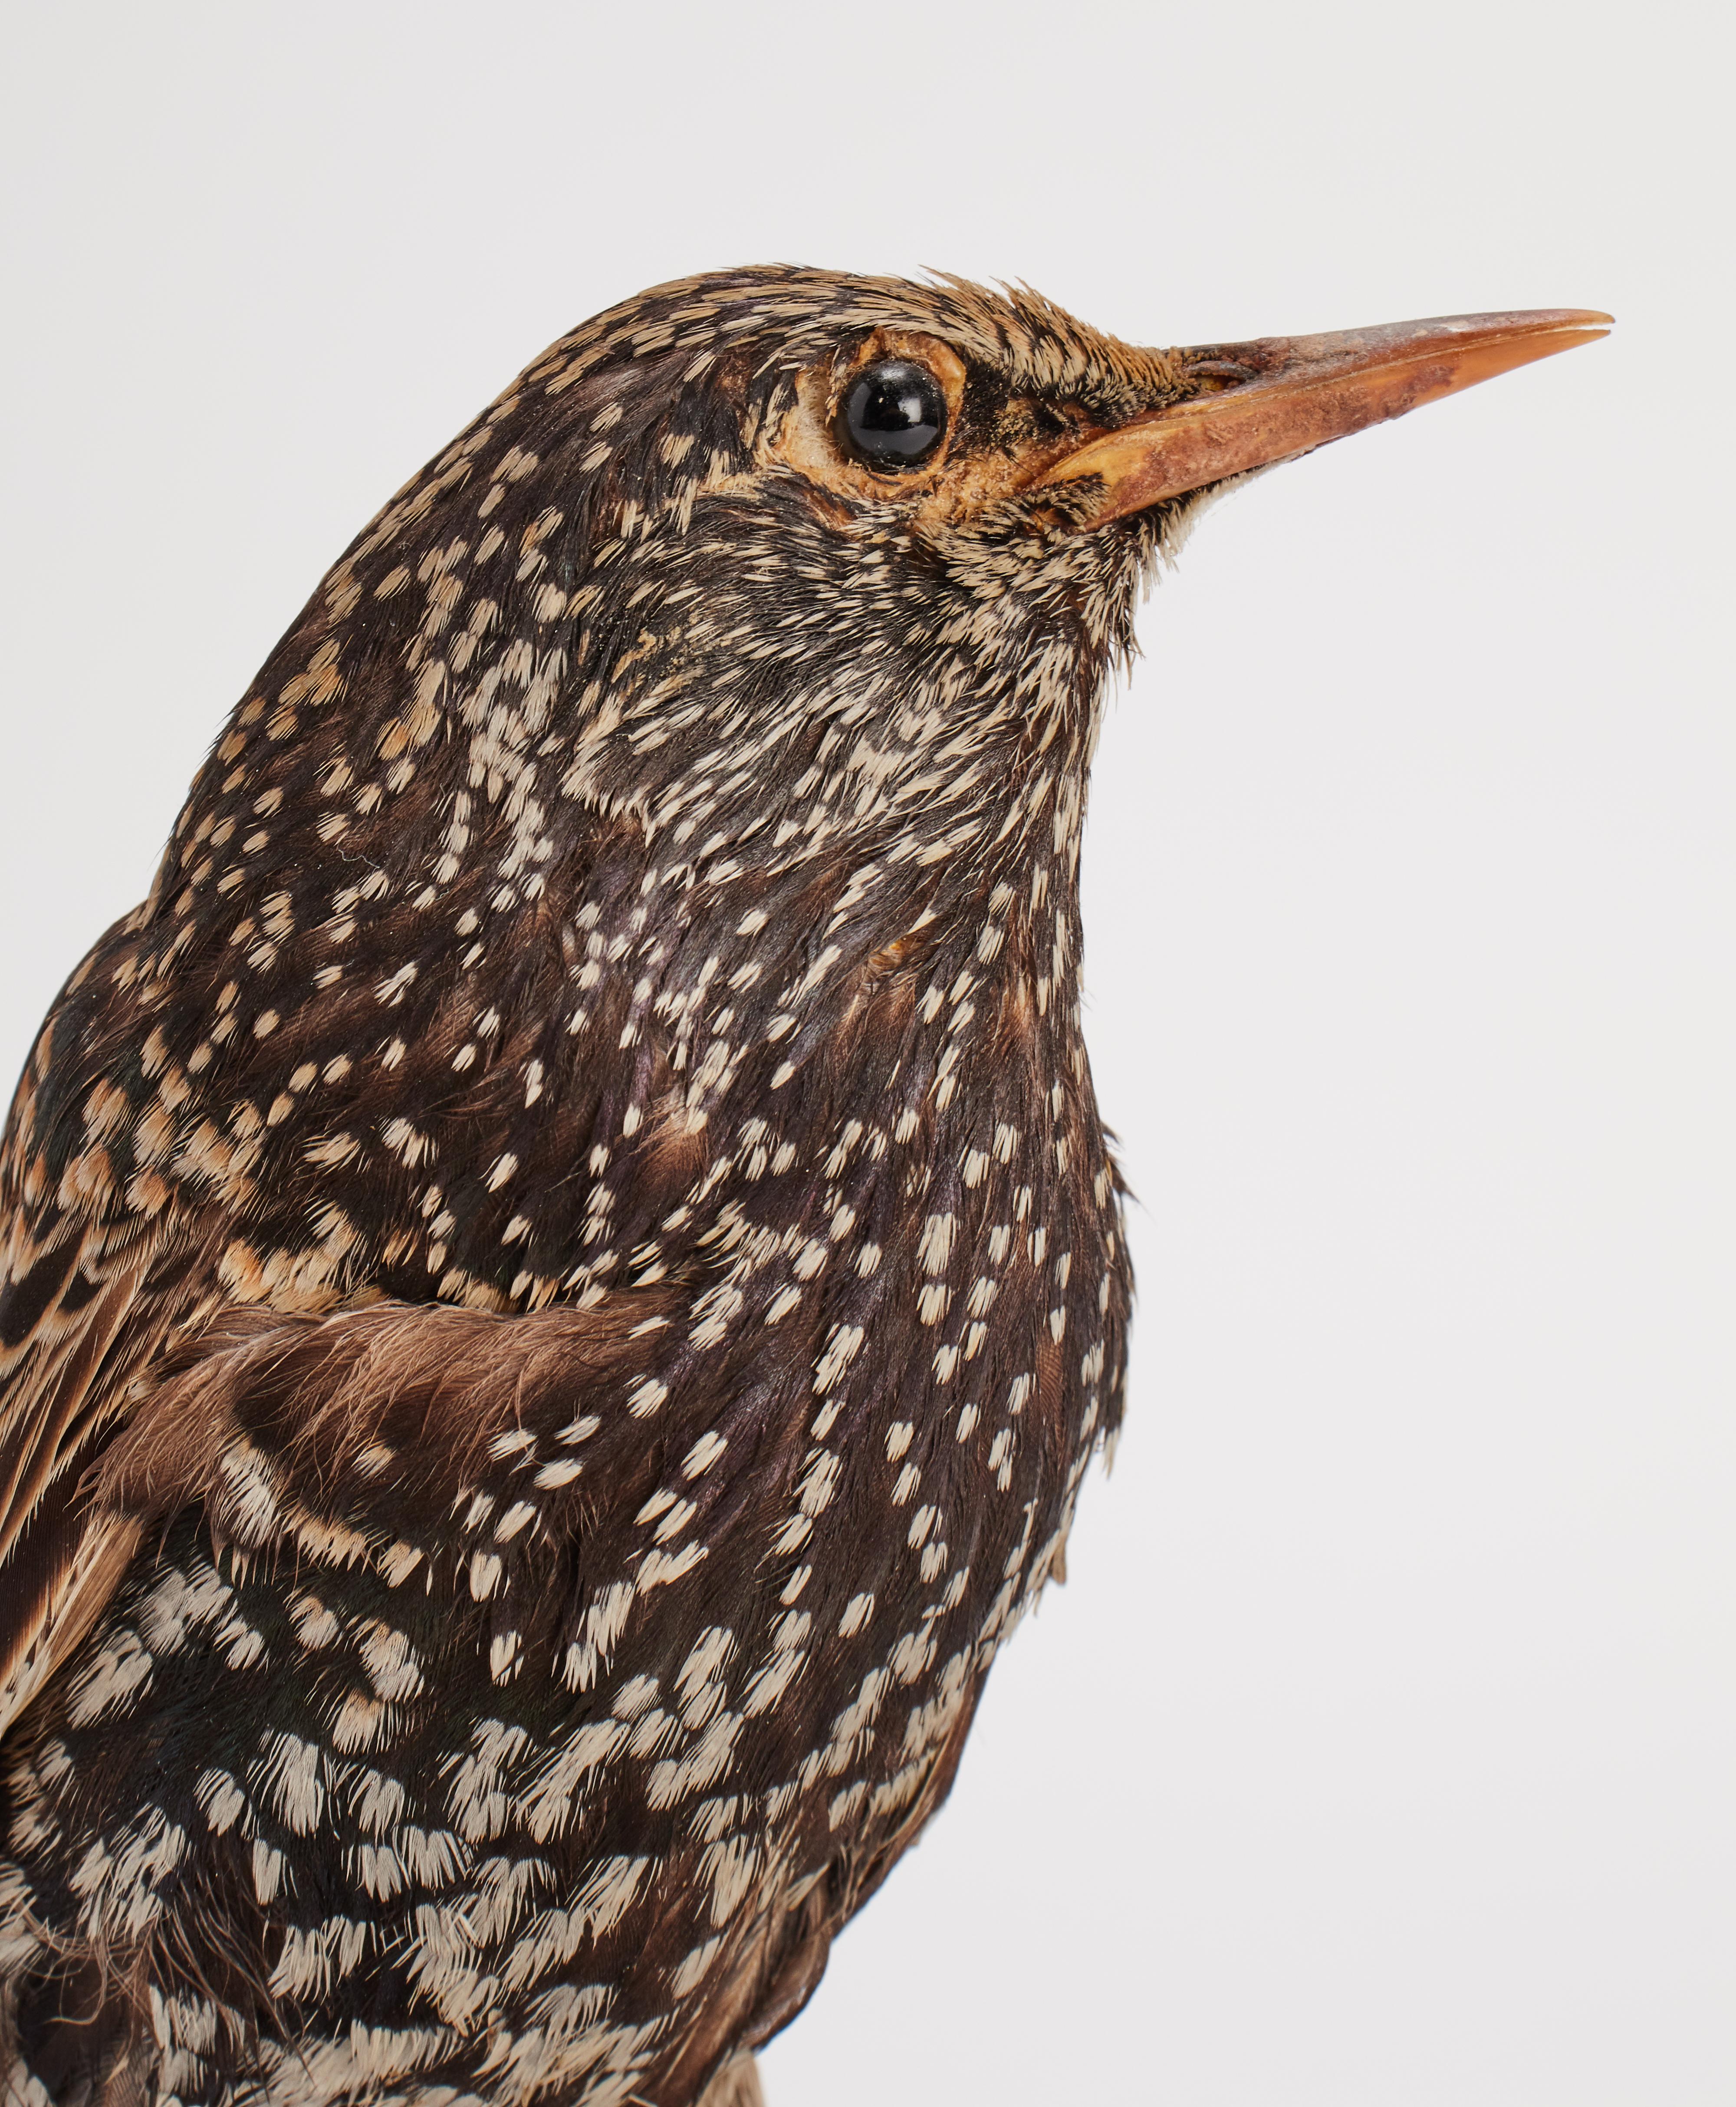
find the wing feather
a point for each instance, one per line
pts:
(63, 1385)
(375, 1420)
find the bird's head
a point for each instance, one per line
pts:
(782, 564)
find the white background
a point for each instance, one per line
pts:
(1379, 1752)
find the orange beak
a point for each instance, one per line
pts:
(1279, 397)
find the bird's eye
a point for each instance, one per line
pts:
(893, 416)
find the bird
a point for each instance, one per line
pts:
(560, 1275)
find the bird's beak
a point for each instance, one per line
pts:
(1279, 397)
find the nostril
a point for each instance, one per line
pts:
(1211, 376)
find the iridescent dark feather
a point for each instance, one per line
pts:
(563, 1269)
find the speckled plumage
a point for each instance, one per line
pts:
(562, 1272)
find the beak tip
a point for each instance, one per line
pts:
(1586, 324)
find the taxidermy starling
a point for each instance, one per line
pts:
(562, 1272)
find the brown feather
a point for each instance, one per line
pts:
(562, 1273)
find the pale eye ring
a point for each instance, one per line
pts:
(893, 416)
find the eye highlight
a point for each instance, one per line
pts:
(893, 416)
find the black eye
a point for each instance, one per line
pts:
(894, 415)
